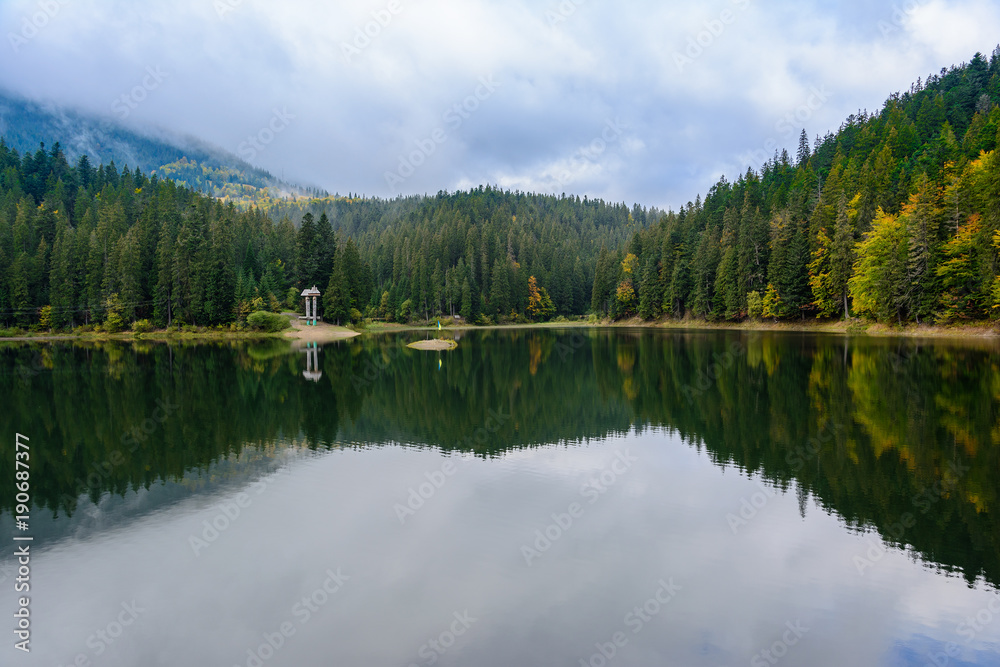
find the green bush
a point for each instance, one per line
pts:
(113, 323)
(142, 326)
(405, 311)
(268, 322)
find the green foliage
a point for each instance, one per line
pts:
(45, 317)
(142, 326)
(292, 299)
(113, 322)
(771, 304)
(72, 236)
(879, 285)
(268, 322)
(959, 272)
(540, 306)
(755, 305)
(405, 311)
(790, 231)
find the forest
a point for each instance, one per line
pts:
(895, 217)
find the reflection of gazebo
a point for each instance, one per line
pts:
(310, 295)
(312, 371)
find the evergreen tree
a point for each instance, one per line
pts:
(500, 290)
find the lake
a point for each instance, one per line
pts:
(534, 497)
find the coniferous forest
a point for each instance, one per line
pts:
(895, 217)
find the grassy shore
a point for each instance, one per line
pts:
(323, 332)
(854, 327)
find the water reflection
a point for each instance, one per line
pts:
(898, 436)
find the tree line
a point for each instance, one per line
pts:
(895, 217)
(86, 246)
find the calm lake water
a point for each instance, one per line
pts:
(565, 497)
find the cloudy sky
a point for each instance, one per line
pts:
(646, 102)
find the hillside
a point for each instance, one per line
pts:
(25, 124)
(896, 217)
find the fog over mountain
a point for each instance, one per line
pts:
(648, 102)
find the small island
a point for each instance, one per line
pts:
(434, 344)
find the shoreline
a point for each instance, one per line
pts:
(320, 333)
(324, 333)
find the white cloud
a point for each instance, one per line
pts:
(753, 64)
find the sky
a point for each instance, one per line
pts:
(635, 102)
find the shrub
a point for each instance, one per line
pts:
(355, 315)
(268, 322)
(405, 310)
(114, 322)
(484, 321)
(142, 326)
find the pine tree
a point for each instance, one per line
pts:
(804, 153)
(130, 271)
(337, 297)
(308, 251)
(466, 309)
(500, 290)
(650, 290)
(922, 216)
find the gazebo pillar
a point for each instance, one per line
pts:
(312, 307)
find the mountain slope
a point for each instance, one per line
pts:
(25, 124)
(896, 217)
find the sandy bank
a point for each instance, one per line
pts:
(434, 344)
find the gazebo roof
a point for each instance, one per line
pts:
(312, 291)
